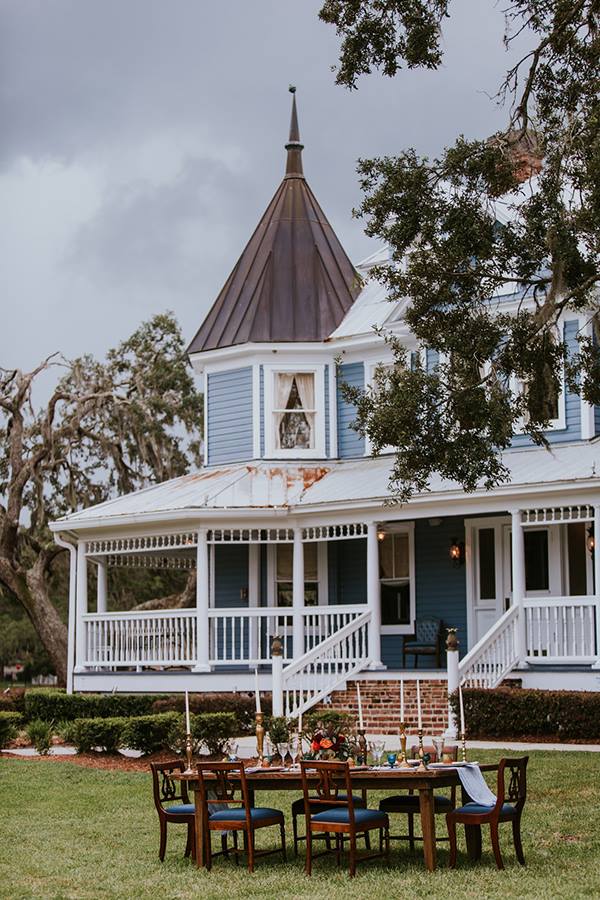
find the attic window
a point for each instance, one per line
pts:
(294, 411)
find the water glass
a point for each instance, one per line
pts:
(377, 748)
(438, 744)
(232, 749)
(391, 758)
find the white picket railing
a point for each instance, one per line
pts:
(494, 656)
(237, 637)
(561, 629)
(325, 667)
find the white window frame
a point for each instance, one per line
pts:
(403, 528)
(369, 378)
(322, 574)
(318, 372)
(560, 422)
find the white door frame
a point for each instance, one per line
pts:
(555, 561)
(472, 526)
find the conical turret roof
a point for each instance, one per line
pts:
(293, 281)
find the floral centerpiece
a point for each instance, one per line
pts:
(329, 743)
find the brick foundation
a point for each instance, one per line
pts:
(381, 705)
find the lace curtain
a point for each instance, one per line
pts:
(293, 420)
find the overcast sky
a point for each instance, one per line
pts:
(141, 141)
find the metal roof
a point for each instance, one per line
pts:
(294, 486)
(293, 281)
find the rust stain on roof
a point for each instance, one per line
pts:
(306, 476)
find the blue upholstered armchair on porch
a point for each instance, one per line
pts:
(426, 641)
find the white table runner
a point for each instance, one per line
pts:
(475, 785)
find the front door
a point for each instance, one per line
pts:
(486, 583)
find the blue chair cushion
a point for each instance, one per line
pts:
(341, 815)
(410, 803)
(239, 815)
(298, 805)
(183, 809)
(476, 809)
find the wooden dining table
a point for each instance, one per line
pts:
(374, 779)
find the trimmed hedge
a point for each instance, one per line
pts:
(525, 713)
(60, 707)
(214, 730)
(241, 705)
(10, 722)
(87, 734)
(13, 701)
(150, 733)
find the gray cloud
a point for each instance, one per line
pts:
(142, 140)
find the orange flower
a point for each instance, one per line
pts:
(326, 743)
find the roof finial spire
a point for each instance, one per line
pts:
(294, 147)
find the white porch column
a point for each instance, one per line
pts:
(374, 596)
(453, 680)
(102, 593)
(82, 607)
(202, 601)
(298, 594)
(518, 581)
(597, 579)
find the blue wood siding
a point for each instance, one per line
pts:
(327, 413)
(231, 579)
(229, 416)
(572, 431)
(261, 379)
(347, 571)
(350, 443)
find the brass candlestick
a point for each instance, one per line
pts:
(362, 745)
(404, 763)
(189, 748)
(422, 767)
(260, 737)
(463, 741)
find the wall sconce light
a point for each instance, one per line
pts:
(380, 534)
(590, 540)
(457, 552)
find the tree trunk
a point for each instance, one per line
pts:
(31, 590)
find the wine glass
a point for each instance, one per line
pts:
(294, 748)
(283, 751)
(377, 748)
(232, 750)
(438, 744)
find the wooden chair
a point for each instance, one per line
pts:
(408, 804)
(508, 808)
(168, 791)
(360, 802)
(337, 816)
(427, 642)
(218, 788)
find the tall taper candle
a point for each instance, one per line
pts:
(187, 714)
(462, 709)
(360, 714)
(402, 719)
(300, 724)
(419, 713)
(256, 691)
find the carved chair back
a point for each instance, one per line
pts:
(333, 778)
(512, 782)
(222, 783)
(166, 789)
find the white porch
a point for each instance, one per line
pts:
(207, 647)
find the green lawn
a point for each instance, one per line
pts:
(71, 832)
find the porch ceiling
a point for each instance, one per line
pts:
(294, 487)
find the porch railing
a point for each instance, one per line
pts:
(325, 667)
(167, 638)
(494, 656)
(561, 629)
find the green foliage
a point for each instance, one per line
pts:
(149, 734)
(278, 729)
(106, 734)
(514, 215)
(330, 720)
(10, 722)
(241, 705)
(523, 713)
(51, 705)
(40, 734)
(214, 730)
(14, 701)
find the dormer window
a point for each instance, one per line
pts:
(294, 412)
